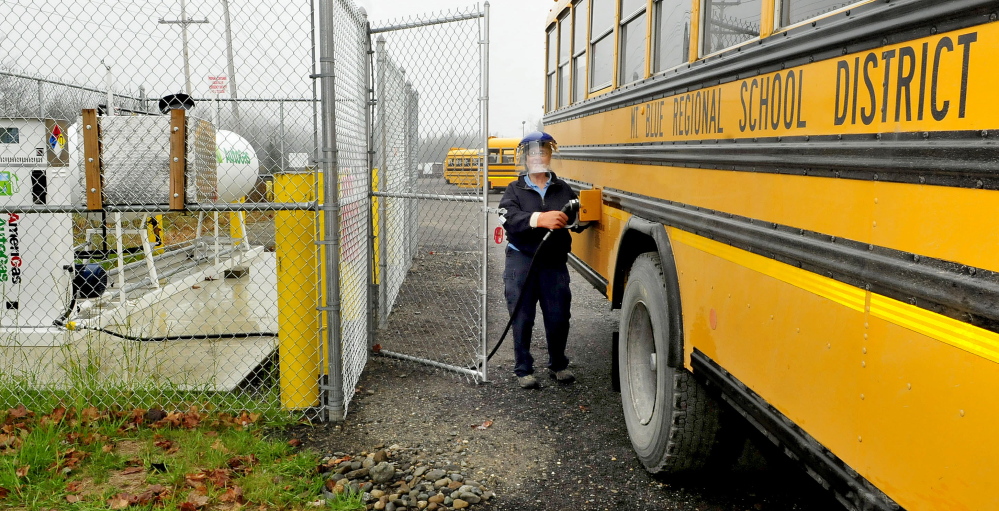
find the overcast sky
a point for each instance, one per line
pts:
(517, 42)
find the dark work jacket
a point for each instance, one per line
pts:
(520, 201)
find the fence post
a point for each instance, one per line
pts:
(382, 186)
(485, 186)
(331, 213)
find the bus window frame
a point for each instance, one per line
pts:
(576, 53)
(623, 21)
(701, 22)
(550, 73)
(777, 4)
(655, 33)
(563, 98)
(593, 40)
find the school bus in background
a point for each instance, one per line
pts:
(797, 218)
(462, 167)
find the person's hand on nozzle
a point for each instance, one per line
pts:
(552, 220)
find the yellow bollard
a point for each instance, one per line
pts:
(237, 224)
(300, 349)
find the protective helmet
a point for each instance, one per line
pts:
(536, 152)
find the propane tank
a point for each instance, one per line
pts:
(237, 166)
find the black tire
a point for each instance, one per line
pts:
(673, 423)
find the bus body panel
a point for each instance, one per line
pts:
(866, 384)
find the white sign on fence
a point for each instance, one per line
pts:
(218, 84)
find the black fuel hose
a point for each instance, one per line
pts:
(569, 206)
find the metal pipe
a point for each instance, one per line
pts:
(150, 208)
(382, 184)
(331, 211)
(484, 107)
(449, 367)
(369, 134)
(427, 23)
(232, 65)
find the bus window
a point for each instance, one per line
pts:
(552, 49)
(633, 38)
(601, 44)
(579, 52)
(728, 23)
(508, 156)
(672, 33)
(796, 11)
(494, 156)
(565, 44)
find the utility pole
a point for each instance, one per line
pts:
(232, 67)
(184, 22)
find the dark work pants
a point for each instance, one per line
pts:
(549, 286)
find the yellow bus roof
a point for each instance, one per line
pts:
(560, 6)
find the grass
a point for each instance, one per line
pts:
(144, 459)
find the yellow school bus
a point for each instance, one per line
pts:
(797, 205)
(462, 167)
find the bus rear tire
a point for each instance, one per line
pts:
(673, 423)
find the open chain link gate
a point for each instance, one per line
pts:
(431, 103)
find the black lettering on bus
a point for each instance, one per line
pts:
(965, 40)
(764, 102)
(801, 96)
(886, 56)
(634, 122)
(752, 120)
(775, 95)
(856, 80)
(842, 92)
(790, 94)
(865, 117)
(695, 114)
(904, 81)
(676, 116)
(922, 81)
(706, 113)
(939, 113)
(744, 122)
(716, 111)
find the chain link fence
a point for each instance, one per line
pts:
(431, 100)
(168, 236)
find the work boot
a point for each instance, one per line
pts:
(563, 376)
(527, 382)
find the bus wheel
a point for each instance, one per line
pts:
(672, 422)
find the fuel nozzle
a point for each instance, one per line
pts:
(571, 206)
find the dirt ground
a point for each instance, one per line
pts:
(560, 447)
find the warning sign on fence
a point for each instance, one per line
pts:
(218, 84)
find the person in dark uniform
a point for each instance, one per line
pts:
(533, 207)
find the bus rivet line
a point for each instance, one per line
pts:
(962, 413)
(926, 134)
(985, 133)
(979, 184)
(972, 271)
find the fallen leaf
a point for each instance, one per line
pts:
(18, 413)
(195, 287)
(484, 425)
(4, 492)
(132, 470)
(73, 499)
(106, 448)
(584, 408)
(294, 442)
(22, 471)
(234, 494)
(219, 446)
(120, 501)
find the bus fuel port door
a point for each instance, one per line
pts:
(590, 202)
